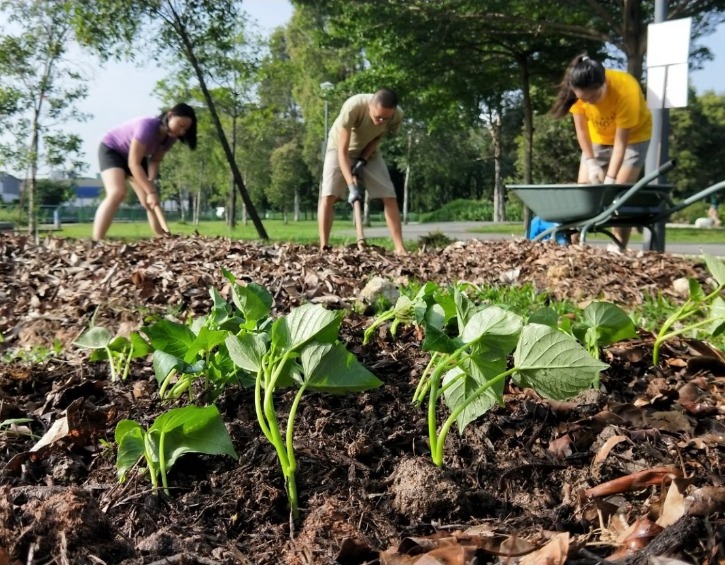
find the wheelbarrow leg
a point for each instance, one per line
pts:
(654, 237)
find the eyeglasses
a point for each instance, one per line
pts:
(381, 118)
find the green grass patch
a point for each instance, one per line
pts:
(302, 232)
(674, 235)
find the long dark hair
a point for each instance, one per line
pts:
(183, 111)
(584, 73)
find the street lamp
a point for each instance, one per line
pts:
(326, 87)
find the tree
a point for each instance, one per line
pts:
(192, 36)
(289, 176)
(697, 139)
(38, 93)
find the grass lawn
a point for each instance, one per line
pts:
(674, 234)
(305, 232)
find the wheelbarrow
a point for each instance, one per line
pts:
(589, 208)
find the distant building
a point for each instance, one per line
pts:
(9, 188)
(88, 192)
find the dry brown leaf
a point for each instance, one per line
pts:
(554, 552)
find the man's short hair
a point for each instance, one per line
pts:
(385, 98)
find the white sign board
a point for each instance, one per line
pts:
(668, 51)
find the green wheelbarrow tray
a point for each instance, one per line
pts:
(588, 208)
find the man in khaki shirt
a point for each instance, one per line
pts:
(352, 150)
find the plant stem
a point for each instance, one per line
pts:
(440, 441)
(662, 338)
(377, 322)
(127, 363)
(162, 463)
(114, 376)
(424, 381)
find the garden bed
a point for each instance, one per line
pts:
(517, 480)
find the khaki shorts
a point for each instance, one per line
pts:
(375, 177)
(634, 155)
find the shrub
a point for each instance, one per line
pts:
(462, 210)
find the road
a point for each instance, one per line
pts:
(462, 231)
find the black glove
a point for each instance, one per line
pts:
(357, 168)
(354, 195)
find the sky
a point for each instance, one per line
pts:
(122, 91)
(118, 92)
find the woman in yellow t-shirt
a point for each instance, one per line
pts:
(612, 121)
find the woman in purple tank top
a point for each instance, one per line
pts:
(133, 151)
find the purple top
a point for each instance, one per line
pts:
(144, 130)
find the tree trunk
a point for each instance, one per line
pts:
(232, 199)
(297, 205)
(181, 29)
(523, 63)
(499, 210)
(634, 37)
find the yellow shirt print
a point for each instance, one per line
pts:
(622, 107)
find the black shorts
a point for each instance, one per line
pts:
(111, 159)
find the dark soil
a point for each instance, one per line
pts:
(527, 482)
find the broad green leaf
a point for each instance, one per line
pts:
(171, 337)
(247, 350)
(206, 340)
(436, 340)
(697, 295)
(191, 429)
(717, 313)
(164, 363)
(464, 309)
(333, 369)
(553, 363)
(494, 330)
(545, 316)
(119, 344)
(466, 378)
(130, 441)
(141, 347)
(444, 299)
(716, 267)
(609, 322)
(306, 323)
(253, 301)
(220, 308)
(435, 316)
(221, 370)
(95, 338)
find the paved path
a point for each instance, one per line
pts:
(462, 231)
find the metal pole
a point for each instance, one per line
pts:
(657, 154)
(658, 148)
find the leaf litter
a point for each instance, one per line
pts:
(630, 473)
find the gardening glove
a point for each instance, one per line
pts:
(610, 180)
(354, 195)
(357, 168)
(596, 173)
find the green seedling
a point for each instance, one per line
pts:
(469, 371)
(118, 351)
(301, 350)
(186, 353)
(423, 307)
(191, 429)
(14, 426)
(600, 324)
(699, 313)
